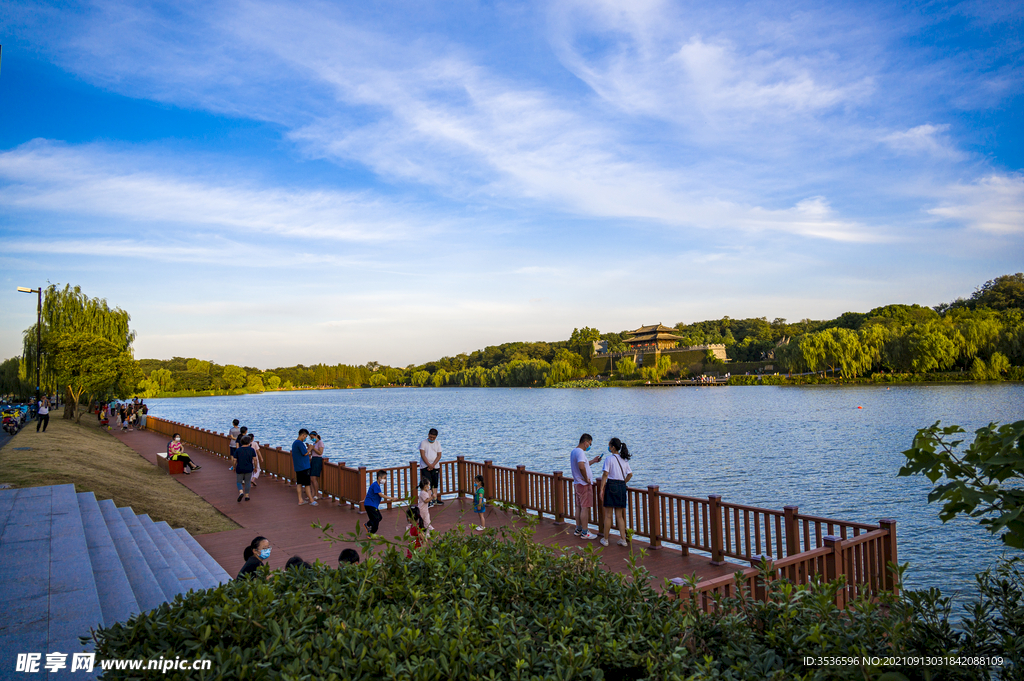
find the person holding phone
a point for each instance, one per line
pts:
(615, 475)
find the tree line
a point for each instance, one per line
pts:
(86, 351)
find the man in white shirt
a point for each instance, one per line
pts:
(583, 485)
(430, 463)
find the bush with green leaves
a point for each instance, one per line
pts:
(502, 606)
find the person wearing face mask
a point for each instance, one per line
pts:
(256, 555)
(176, 452)
(430, 464)
(316, 463)
(583, 485)
(613, 481)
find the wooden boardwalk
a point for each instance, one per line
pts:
(274, 513)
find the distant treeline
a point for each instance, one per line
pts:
(982, 335)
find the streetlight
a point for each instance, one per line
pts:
(39, 331)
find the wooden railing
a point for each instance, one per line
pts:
(799, 546)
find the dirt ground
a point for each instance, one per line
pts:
(86, 455)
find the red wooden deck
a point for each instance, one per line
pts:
(274, 513)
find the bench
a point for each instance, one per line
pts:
(171, 467)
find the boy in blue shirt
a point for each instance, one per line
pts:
(300, 461)
(374, 496)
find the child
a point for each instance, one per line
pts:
(374, 496)
(425, 497)
(479, 502)
(414, 528)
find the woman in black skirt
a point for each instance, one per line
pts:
(613, 481)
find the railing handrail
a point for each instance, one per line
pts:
(795, 543)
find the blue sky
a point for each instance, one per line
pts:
(269, 183)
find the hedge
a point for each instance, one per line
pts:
(501, 606)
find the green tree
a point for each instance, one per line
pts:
(984, 481)
(273, 382)
(91, 366)
(626, 368)
(199, 366)
(657, 371)
(582, 342)
(163, 378)
(420, 378)
(235, 376)
(69, 311)
(378, 379)
(254, 383)
(440, 378)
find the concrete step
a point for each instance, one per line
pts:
(74, 604)
(25, 573)
(206, 580)
(115, 592)
(220, 576)
(168, 581)
(145, 586)
(187, 579)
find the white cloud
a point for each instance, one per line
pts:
(93, 180)
(924, 139)
(993, 204)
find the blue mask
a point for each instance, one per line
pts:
(588, 448)
(265, 553)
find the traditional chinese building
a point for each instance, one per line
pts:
(657, 337)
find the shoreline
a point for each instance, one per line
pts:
(744, 382)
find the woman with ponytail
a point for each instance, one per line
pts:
(613, 481)
(254, 554)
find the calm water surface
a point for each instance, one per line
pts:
(764, 446)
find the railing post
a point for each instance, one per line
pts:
(757, 586)
(520, 488)
(460, 463)
(599, 509)
(558, 497)
(362, 488)
(835, 566)
(715, 511)
(792, 530)
(414, 479)
(490, 480)
(889, 554)
(654, 515)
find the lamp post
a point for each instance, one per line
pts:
(39, 331)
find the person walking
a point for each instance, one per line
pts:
(371, 504)
(43, 414)
(583, 485)
(430, 464)
(613, 481)
(316, 462)
(300, 460)
(258, 462)
(244, 457)
(233, 442)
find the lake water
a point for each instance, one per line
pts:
(760, 445)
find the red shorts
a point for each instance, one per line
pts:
(584, 495)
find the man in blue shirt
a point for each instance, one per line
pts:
(375, 495)
(300, 461)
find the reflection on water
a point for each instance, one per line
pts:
(764, 446)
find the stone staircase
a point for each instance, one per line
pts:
(70, 563)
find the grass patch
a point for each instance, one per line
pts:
(94, 461)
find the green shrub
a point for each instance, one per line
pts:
(501, 606)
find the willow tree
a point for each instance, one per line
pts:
(69, 311)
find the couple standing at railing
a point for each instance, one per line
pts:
(614, 476)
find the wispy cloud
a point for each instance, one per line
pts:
(93, 180)
(993, 204)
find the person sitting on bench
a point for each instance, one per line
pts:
(176, 452)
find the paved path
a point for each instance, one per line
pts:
(274, 513)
